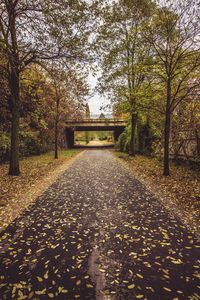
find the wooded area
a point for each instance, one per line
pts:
(42, 46)
(148, 55)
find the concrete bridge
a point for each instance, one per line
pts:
(115, 125)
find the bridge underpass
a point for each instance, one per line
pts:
(115, 125)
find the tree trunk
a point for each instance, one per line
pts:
(15, 104)
(166, 144)
(133, 130)
(14, 82)
(198, 142)
(167, 130)
(56, 140)
(56, 124)
(87, 139)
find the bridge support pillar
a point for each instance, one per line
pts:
(69, 138)
(117, 133)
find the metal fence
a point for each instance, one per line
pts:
(188, 148)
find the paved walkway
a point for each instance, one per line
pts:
(97, 233)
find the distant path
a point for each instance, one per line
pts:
(96, 143)
(97, 233)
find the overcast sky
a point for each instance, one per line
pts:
(96, 101)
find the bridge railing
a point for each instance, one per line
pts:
(104, 121)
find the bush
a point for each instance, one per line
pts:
(31, 144)
(143, 139)
(124, 140)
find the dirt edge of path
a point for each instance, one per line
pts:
(170, 205)
(14, 208)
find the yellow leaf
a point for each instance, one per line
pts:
(30, 296)
(89, 286)
(51, 295)
(43, 292)
(78, 282)
(177, 262)
(21, 295)
(39, 279)
(133, 253)
(46, 275)
(102, 270)
(139, 296)
(131, 286)
(18, 285)
(167, 289)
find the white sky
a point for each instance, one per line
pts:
(95, 101)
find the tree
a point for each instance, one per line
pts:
(59, 94)
(33, 31)
(173, 35)
(87, 115)
(68, 92)
(123, 56)
(102, 116)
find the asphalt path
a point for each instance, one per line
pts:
(98, 233)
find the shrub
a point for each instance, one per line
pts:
(124, 140)
(31, 144)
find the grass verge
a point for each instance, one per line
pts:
(37, 173)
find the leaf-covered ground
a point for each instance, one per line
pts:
(180, 192)
(98, 233)
(37, 173)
